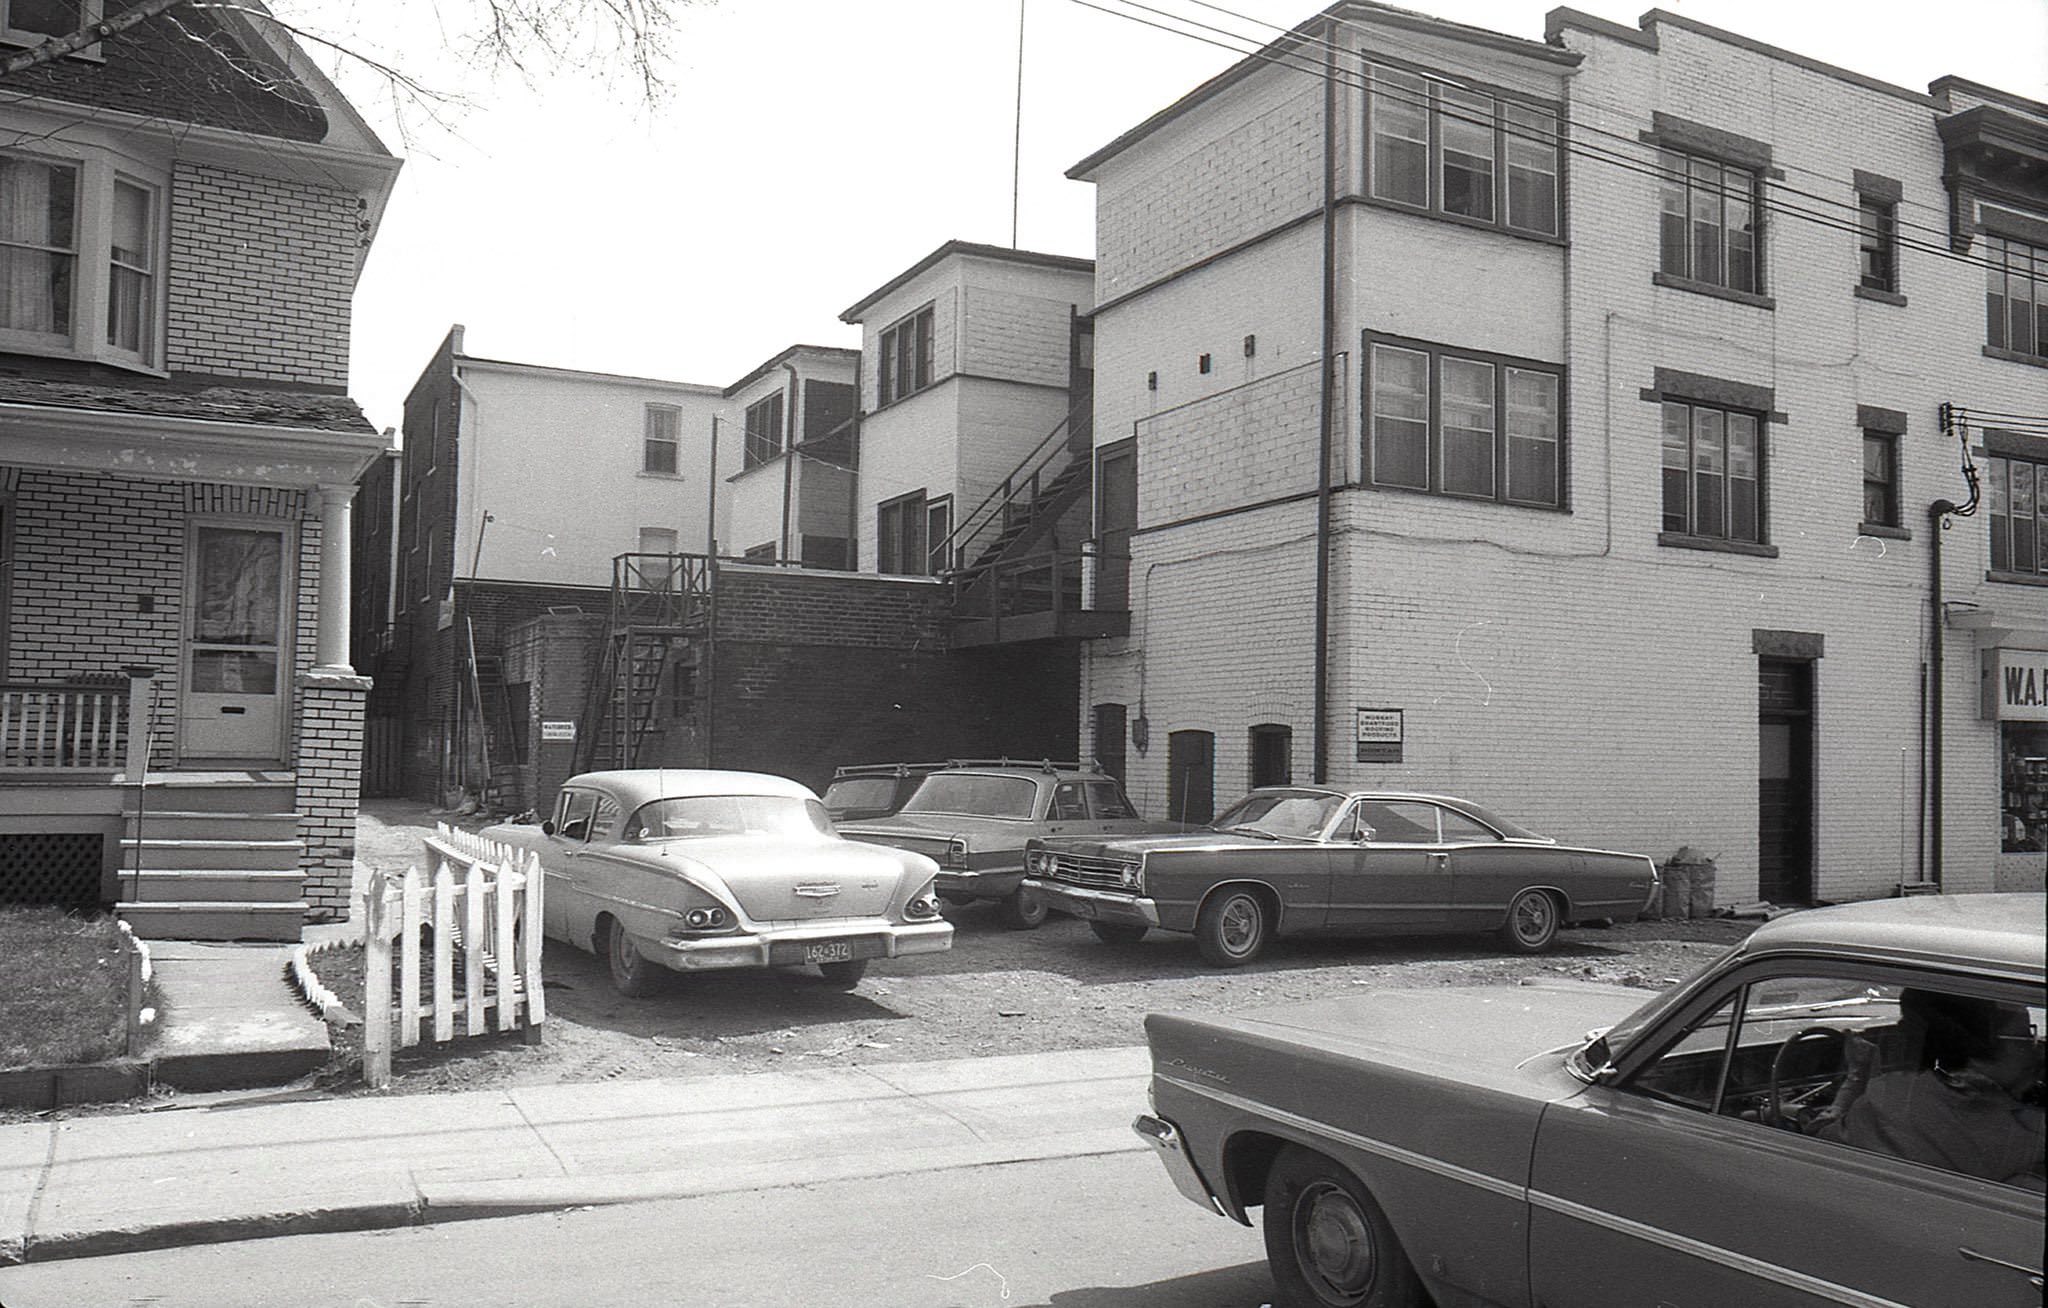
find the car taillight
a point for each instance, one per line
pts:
(923, 904)
(956, 853)
(711, 918)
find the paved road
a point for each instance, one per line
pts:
(1104, 1232)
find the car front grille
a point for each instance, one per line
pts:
(1085, 870)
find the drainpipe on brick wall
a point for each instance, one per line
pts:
(1937, 512)
(711, 495)
(1327, 434)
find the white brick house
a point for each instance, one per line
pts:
(184, 221)
(1632, 442)
(969, 360)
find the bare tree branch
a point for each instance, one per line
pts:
(58, 46)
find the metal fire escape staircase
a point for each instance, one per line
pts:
(660, 604)
(1018, 556)
(493, 701)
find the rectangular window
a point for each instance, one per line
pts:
(654, 569)
(764, 431)
(905, 363)
(1708, 221)
(662, 450)
(1713, 471)
(2018, 508)
(900, 536)
(1877, 244)
(1491, 160)
(2016, 296)
(131, 271)
(1457, 423)
(1880, 478)
(38, 246)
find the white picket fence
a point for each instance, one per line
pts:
(483, 904)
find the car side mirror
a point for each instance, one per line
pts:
(1361, 834)
(547, 827)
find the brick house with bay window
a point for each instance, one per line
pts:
(182, 224)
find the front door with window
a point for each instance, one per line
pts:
(236, 647)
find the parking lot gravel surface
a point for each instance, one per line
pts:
(995, 992)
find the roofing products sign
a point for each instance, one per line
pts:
(1379, 735)
(2016, 685)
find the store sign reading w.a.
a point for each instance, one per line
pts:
(2016, 685)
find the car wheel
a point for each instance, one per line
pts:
(632, 975)
(1021, 910)
(1233, 927)
(1532, 922)
(1117, 933)
(1328, 1243)
(844, 976)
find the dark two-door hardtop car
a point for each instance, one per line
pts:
(1484, 1146)
(1309, 859)
(690, 870)
(976, 816)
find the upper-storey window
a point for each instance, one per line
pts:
(2016, 296)
(1713, 473)
(764, 431)
(1458, 422)
(661, 447)
(905, 366)
(1709, 221)
(2018, 510)
(1877, 243)
(32, 22)
(1463, 153)
(79, 260)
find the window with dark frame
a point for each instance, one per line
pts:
(1713, 472)
(764, 431)
(1709, 221)
(900, 537)
(1456, 422)
(1880, 479)
(2016, 296)
(1450, 150)
(1877, 244)
(905, 363)
(2019, 515)
(938, 529)
(662, 450)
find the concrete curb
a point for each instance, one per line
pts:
(483, 1200)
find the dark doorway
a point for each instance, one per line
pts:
(1109, 739)
(1785, 781)
(1272, 755)
(1116, 513)
(1191, 777)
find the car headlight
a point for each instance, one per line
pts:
(1133, 876)
(956, 853)
(1037, 862)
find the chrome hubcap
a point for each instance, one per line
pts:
(1240, 925)
(1333, 1244)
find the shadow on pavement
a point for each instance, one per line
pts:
(1247, 1286)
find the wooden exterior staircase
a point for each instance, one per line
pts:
(661, 603)
(212, 857)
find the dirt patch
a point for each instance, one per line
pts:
(995, 991)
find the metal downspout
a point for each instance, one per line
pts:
(1936, 512)
(1327, 435)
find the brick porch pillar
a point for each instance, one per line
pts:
(330, 771)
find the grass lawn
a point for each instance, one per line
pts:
(63, 988)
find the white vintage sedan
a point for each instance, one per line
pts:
(660, 869)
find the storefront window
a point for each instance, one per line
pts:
(2025, 807)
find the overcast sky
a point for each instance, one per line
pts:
(811, 149)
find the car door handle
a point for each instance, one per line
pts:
(1439, 858)
(2033, 1274)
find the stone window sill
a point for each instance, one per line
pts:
(1882, 297)
(1679, 541)
(2017, 578)
(2014, 356)
(1883, 531)
(1713, 291)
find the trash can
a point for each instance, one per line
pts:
(1688, 884)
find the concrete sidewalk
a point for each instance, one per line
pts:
(99, 1185)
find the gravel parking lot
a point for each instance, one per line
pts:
(995, 991)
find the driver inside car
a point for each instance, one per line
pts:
(1972, 1106)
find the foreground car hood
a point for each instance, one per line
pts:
(765, 876)
(1466, 1032)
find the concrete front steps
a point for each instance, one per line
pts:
(217, 859)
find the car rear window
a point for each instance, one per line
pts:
(975, 796)
(697, 816)
(861, 792)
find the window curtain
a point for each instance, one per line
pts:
(37, 203)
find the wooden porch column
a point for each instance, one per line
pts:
(140, 679)
(334, 579)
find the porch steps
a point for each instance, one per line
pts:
(185, 919)
(217, 858)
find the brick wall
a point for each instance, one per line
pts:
(554, 657)
(261, 275)
(329, 770)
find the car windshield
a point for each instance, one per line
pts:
(692, 816)
(1605, 1046)
(975, 796)
(1293, 814)
(860, 792)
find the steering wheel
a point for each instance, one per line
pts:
(1783, 1110)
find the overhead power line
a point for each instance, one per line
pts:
(1766, 197)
